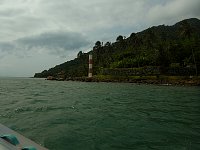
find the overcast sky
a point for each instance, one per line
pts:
(39, 34)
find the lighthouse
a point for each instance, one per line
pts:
(90, 66)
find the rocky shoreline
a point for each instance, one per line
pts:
(183, 81)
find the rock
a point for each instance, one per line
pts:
(51, 78)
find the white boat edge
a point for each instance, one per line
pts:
(24, 142)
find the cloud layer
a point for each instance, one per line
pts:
(55, 42)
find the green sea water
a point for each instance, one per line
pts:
(102, 116)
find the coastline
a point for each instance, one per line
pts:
(155, 80)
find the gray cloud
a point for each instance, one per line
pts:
(55, 40)
(57, 43)
(5, 49)
(10, 12)
(174, 11)
(23, 18)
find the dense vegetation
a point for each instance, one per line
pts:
(167, 47)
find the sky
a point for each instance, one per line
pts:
(38, 34)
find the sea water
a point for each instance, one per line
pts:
(101, 116)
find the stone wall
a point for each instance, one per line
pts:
(150, 70)
(131, 71)
(181, 71)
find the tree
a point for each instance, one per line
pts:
(107, 44)
(119, 38)
(151, 37)
(162, 56)
(186, 32)
(133, 35)
(185, 29)
(97, 45)
(80, 53)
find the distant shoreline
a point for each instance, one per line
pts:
(154, 80)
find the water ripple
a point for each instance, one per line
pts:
(78, 115)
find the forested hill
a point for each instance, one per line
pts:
(162, 46)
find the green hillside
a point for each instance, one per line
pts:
(175, 50)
